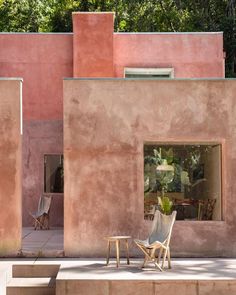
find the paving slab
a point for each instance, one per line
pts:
(42, 243)
(182, 269)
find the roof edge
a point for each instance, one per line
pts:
(169, 33)
(151, 79)
(11, 79)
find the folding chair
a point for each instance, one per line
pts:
(159, 239)
(41, 217)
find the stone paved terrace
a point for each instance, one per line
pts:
(92, 276)
(46, 243)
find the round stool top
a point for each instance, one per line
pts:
(115, 238)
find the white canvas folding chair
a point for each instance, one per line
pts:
(159, 239)
(41, 217)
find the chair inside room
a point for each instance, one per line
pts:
(159, 239)
(206, 209)
(41, 217)
(149, 212)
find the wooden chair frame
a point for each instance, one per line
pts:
(41, 221)
(150, 250)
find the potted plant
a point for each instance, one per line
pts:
(165, 205)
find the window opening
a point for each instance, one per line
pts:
(189, 175)
(53, 174)
(149, 73)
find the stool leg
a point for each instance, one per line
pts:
(117, 253)
(108, 251)
(127, 249)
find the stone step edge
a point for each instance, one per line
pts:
(32, 283)
(35, 270)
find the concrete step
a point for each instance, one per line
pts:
(35, 270)
(29, 286)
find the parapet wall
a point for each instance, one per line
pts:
(99, 52)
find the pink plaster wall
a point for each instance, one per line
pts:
(40, 137)
(10, 167)
(98, 52)
(192, 55)
(42, 60)
(93, 44)
(106, 123)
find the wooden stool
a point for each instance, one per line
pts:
(117, 240)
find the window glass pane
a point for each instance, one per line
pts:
(147, 76)
(149, 73)
(194, 185)
(53, 174)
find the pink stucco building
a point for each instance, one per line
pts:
(102, 123)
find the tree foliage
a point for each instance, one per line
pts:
(131, 16)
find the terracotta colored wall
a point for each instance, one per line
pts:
(42, 60)
(93, 44)
(10, 164)
(40, 138)
(98, 52)
(106, 123)
(192, 55)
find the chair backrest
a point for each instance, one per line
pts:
(162, 227)
(44, 204)
(208, 209)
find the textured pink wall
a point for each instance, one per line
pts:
(192, 55)
(105, 126)
(93, 44)
(98, 52)
(10, 167)
(40, 138)
(42, 60)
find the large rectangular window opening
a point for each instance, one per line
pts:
(188, 174)
(53, 174)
